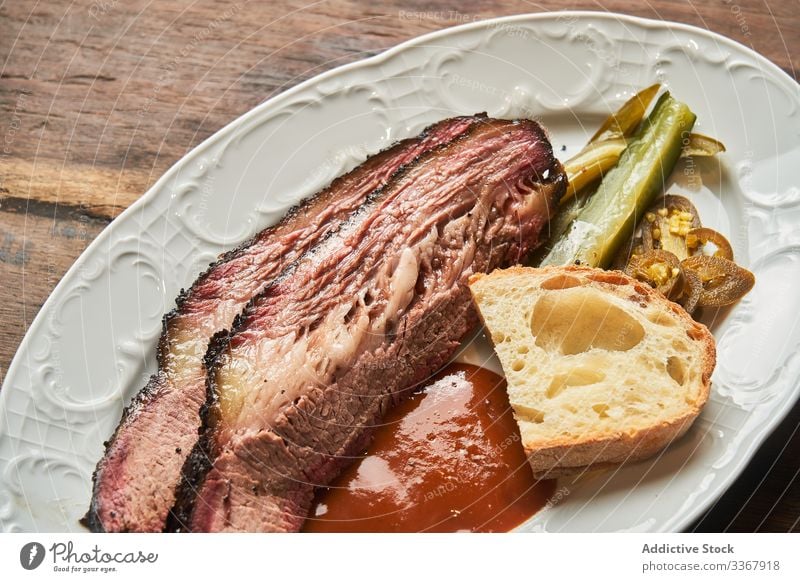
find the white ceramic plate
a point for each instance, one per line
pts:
(93, 344)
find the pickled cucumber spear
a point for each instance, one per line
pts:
(607, 144)
(603, 150)
(610, 214)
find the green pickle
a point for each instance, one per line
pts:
(610, 214)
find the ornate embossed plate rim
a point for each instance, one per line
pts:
(159, 188)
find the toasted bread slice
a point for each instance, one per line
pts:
(601, 368)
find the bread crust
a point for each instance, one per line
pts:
(570, 455)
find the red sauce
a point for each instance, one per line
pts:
(447, 459)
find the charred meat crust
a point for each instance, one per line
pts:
(296, 217)
(92, 519)
(200, 462)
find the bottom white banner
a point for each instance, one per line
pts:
(400, 557)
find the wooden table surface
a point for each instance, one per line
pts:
(99, 98)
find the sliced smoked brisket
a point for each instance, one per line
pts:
(317, 358)
(134, 484)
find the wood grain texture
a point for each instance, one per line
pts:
(98, 98)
